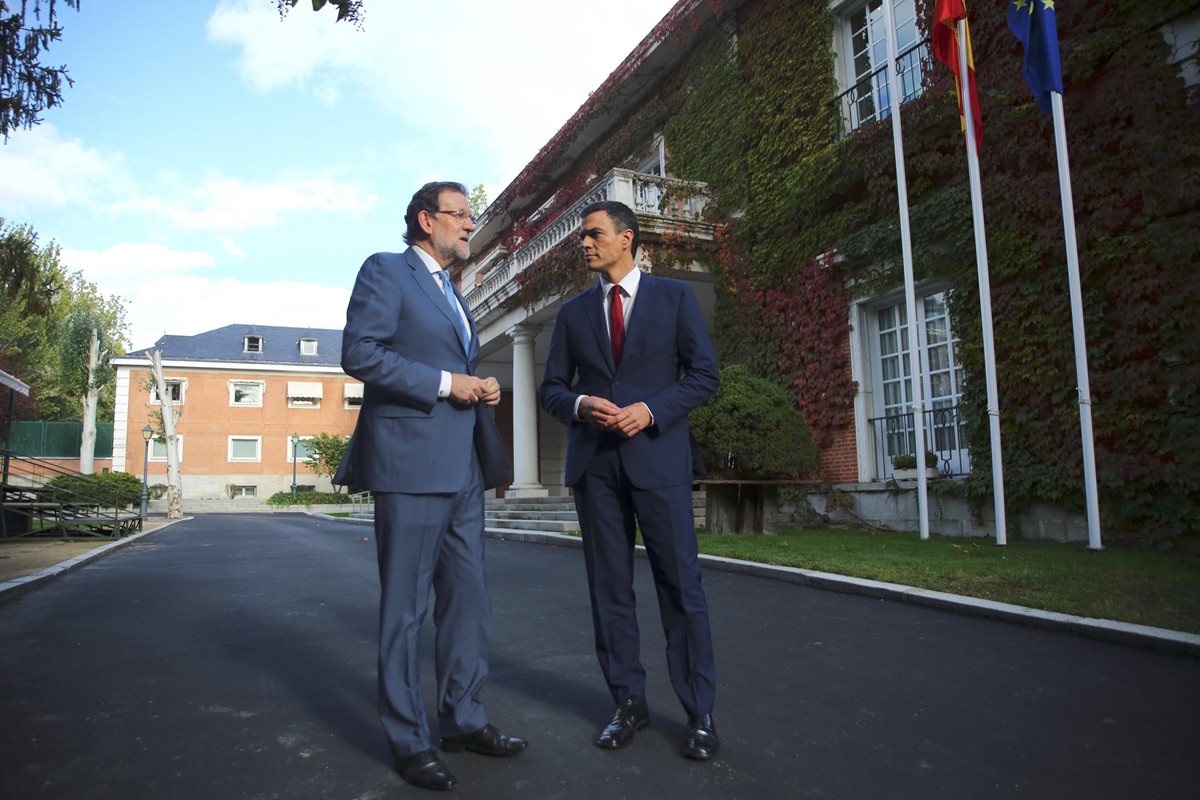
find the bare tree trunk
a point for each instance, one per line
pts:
(91, 399)
(169, 417)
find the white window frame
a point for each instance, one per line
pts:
(262, 392)
(239, 490)
(258, 342)
(850, 71)
(155, 400)
(872, 379)
(243, 438)
(306, 459)
(160, 459)
(304, 402)
(311, 351)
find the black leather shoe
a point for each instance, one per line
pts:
(702, 740)
(425, 770)
(487, 740)
(632, 715)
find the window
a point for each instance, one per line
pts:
(245, 448)
(246, 393)
(941, 389)
(302, 451)
(243, 491)
(862, 45)
(352, 395)
(252, 344)
(176, 388)
(308, 347)
(303, 394)
(158, 449)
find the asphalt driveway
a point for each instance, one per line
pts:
(234, 657)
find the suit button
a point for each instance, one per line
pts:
(616, 384)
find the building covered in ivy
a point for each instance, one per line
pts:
(752, 138)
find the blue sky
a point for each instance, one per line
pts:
(213, 164)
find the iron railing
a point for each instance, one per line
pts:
(31, 505)
(943, 435)
(867, 100)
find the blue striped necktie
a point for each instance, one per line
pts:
(462, 323)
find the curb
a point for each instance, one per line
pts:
(1126, 633)
(10, 590)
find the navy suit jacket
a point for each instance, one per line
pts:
(668, 363)
(400, 334)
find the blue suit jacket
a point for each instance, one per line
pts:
(668, 363)
(400, 334)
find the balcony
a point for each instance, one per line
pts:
(944, 436)
(868, 100)
(661, 204)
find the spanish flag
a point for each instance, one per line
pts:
(946, 15)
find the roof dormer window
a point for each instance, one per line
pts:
(308, 347)
(252, 344)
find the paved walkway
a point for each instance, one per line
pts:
(234, 657)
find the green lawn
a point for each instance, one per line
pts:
(1115, 583)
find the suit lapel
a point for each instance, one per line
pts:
(433, 290)
(593, 305)
(643, 309)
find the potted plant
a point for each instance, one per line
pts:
(904, 466)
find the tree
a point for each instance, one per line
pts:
(28, 87)
(326, 453)
(86, 372)
(168, 416)
(478, 201)
(38, 301)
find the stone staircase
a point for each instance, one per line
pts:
(539, 514)
(548, 514)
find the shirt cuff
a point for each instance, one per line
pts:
(648, 411)
(579, 400)
(444, 387)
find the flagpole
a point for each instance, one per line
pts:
(1081, 365)
(914, 340)
(985, 292)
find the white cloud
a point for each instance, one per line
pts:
(172, 291)
(229, 204)
(40, 169)
(475, 72)
(231, 247)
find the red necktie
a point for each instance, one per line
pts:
(616, 323)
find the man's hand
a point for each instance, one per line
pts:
(598, 412)
(491, 391)
(468, 390)
(632, 420)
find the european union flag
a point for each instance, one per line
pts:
(1032, 21)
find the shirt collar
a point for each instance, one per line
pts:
(427, 260)
(629, 283)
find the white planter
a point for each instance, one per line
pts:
(911, 474)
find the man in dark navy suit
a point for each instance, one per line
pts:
(629, 359)
(411, 340)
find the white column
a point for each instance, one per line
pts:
(525, 416)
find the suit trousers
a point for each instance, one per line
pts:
(432, 541)
(610, 512)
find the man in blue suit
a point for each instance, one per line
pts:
(418, 448)
(629, 359)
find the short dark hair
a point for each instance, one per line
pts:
(426, 199)
(622, 216)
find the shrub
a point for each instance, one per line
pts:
(110, 489)
(909, 461)
(306, 498)
(750, 429)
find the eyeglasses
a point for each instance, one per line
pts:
(461, 216)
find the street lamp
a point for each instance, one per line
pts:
(295, 443)
(147, 433)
